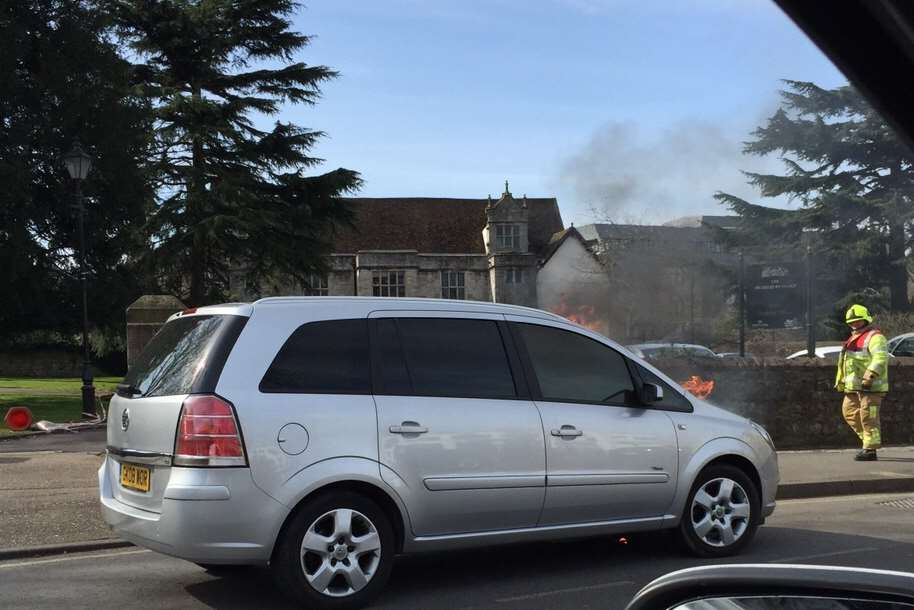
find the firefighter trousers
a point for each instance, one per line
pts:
(861, 412)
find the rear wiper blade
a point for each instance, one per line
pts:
(126, 389)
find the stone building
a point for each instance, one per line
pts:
(474, 249)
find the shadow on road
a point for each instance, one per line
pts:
(542, 574)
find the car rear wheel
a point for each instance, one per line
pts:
(722, 512)
(336, 553)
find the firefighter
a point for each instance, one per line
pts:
(863, 376)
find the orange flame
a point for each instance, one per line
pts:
(698, 386)
(585, 315)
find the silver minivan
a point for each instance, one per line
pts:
(324, 436)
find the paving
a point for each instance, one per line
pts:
(48, 487)
(49, 499)
(810, 474)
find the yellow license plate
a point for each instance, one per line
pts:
(135, 477)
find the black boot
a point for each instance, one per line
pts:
(866, 455)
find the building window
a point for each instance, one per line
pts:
(453, 285)
(507, 237)
(714, 246)
(316, 285)
(388, 284)
(514, 276)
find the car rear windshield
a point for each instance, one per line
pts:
(186, 356)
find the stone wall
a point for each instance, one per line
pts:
(41, 363)
(145, 317)
(795, 400)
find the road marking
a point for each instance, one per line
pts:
(529, 596)
(83, 556)
(821, 555)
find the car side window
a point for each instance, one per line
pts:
(327, 357)
(572, 367)
(456, 358)
(906, 348)
(672, 399)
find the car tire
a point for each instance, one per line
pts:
(319, 565)
(722, 512)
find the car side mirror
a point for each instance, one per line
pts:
(651, 393)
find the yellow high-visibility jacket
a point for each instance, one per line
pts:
(865, 351)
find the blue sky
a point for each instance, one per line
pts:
(625, 110)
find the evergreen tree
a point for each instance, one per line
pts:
(853, 179)
(232, 193)
(62, 79)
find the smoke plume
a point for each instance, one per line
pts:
(622, 173)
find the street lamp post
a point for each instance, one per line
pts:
(78, 163)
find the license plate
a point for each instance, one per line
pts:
(134, 477)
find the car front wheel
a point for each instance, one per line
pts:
(722, 512)
(336, 553)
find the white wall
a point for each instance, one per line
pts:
(573, 282)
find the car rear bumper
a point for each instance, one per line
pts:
(208, 516)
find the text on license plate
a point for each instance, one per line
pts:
(135, 477)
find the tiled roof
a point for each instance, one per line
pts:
(654, 233)
(435, 225)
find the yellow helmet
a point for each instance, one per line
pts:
(857, 312)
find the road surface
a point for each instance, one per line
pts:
(601, 573)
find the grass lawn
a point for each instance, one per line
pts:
(66, 385)
(56, 400)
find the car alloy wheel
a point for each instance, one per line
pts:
(720, 512)
(340, 552)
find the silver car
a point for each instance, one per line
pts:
(323, 436)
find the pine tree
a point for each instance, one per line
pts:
(232, 194)
(853, 179)
(62, 79)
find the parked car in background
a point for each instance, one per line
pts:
(902, 346)
(747, 355)
(323, 436)
(829, 352)
(652, 351)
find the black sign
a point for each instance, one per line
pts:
(775, 295)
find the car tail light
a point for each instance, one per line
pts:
(208, 434)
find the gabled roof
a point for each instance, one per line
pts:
(435, 224)
(560, 238)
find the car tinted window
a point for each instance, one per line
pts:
(452, 357)
(328, 357)
(186, 355)
(573, 367)
(671, 398)
(393, 376)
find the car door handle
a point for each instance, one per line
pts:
(567, 431)
(408, 427)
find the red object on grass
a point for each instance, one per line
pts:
(18, 418)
